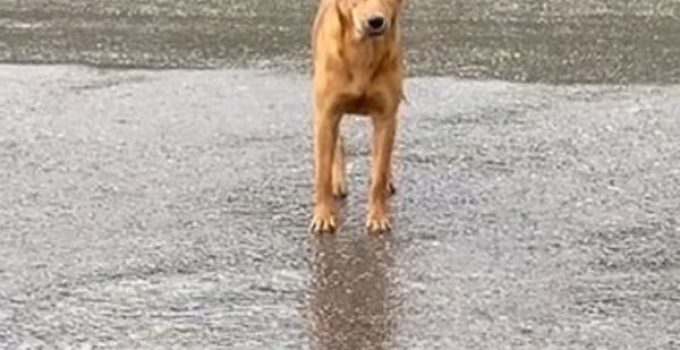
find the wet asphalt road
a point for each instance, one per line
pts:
(558, 41)
(157, 209)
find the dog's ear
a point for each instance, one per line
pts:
(343, 11)
(400, 3)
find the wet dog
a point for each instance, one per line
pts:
(357, 69)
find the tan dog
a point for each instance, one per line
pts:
(358, 69)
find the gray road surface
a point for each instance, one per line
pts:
(159, 209)
(563, 41)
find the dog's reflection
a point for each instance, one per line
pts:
(352, 301)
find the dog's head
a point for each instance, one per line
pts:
(370, 18)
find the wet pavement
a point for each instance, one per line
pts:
(557, 41)
(156, 209)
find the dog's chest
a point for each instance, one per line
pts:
(361, 96)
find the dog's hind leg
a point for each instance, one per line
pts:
(391, 189)
(339, 170)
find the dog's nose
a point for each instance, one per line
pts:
(376, 24)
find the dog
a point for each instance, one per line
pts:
(357, 69)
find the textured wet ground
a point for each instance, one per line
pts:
(563, 41)
(168, 209)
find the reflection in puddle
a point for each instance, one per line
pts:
(353, 295)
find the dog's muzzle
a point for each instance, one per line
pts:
(376, 25)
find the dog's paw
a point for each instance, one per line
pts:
(323, 221)
(378, 222)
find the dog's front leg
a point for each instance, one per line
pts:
(384, 130)
(326, 125)
(339, 169)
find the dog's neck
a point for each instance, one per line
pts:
(367, 55)
(369, 52)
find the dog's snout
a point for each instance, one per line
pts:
(376, 24)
